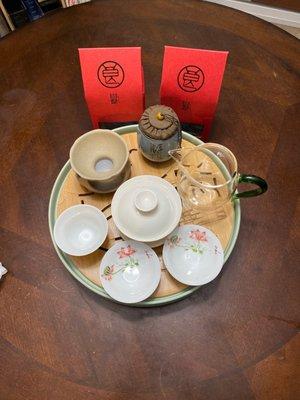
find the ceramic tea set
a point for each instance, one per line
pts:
(147, 209)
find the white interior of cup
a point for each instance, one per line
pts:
(80, 230)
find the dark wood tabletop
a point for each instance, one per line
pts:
(235, 338)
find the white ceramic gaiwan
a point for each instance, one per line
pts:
(146, 208)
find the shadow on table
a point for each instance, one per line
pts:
(202, 295)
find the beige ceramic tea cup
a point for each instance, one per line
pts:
(100, 159)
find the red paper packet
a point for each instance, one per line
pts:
(191, 83)
(113, 82)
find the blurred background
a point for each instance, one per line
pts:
(283, 13)
(16, 13)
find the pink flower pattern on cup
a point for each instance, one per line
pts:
(198, 235)
(126, 252)
(196, 247)
(174, 241)
(108, 272)
(149, 255)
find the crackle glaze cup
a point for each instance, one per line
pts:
(100, 159)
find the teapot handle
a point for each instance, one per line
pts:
(256, 180)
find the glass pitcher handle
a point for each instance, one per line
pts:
(256, 180)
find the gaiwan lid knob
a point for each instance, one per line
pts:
(159, 122)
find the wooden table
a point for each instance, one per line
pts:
(234, 338)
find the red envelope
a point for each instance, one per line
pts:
(113, 83)
(191, 83)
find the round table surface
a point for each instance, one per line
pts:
(235, 338)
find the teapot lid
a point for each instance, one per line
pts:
(159, 122)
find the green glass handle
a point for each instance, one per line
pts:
(256, 180)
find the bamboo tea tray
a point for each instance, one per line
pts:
(67, 192)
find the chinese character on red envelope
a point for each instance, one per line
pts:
(191, 83)
(113, 83)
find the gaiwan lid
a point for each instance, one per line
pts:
(159, 122)
(146, 208)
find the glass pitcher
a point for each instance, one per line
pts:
(207, 177)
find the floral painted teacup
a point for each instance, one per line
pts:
(193, 255)
(130, 271)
